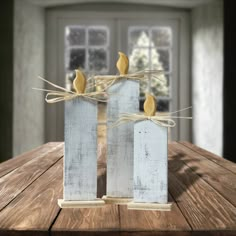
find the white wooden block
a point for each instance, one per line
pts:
(150, 162)
(124, 97)
(81, 204)
(80, 161)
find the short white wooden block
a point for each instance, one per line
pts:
(150, 162)
(123, 98)
(80, 161)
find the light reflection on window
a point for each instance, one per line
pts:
(151, 48)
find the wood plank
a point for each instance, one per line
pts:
(124, 97)
(135, 220)
(80, 161)
(149, 206)
(157, 233)
(16, 181)
(105, 219)
(20, 160)
(150, 163)
(181, 233)
(81, 204)
(201, 204)
(35, 209)
(90, 220)
(224, 181)
(211, 156)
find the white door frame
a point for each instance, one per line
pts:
(56, 19)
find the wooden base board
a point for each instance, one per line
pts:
(116, 200)
(149, 206)
(80, 204)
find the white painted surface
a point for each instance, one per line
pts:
(124, 98)
(207, 76)
(28, 110)
(80, 162)
(150, 162)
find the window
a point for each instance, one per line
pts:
(86, 47)
(150, 48)
(91, 40)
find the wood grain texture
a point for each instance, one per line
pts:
(35, 208)
(221, 179)
(20, 160)
(124, 97)
(150, 163)
(202, 206)
(16, 181)
(91, 219)
(80, 162)
(198, 209)
(134, 220)
(211, 156)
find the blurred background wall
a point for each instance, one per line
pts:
(207, 76)
(29, 47)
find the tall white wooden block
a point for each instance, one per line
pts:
(80, 161)
(150, 162)
(123, 98)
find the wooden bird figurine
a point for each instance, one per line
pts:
(149, 105)
(122, 64)
(79, 82)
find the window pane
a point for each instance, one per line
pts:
(75, 36)
(76, 59)
(98, 60)
(143, 88)
(161, 37)
(138, 37)
(139, 59)
(163, 105)
(69, 80)
(160, 87)
(160, 59)
(97, 36)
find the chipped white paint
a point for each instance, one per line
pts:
(80, 162)
(150, 162)
(124, 98)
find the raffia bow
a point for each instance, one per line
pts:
(165, 120)
(54, 96)
(108, 80)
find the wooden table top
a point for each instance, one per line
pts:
(202, 187)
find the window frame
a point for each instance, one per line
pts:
(56, 19)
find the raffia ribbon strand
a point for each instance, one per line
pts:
(54, 96)
(109, 80)
(165, 120)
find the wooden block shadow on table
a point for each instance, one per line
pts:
(204, 207)
(221, 179)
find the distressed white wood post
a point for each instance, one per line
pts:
(124, 97)
(80, 160)
(150, 166)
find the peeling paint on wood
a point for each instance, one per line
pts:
(80, 162)
(124, 98)
(150, 162)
